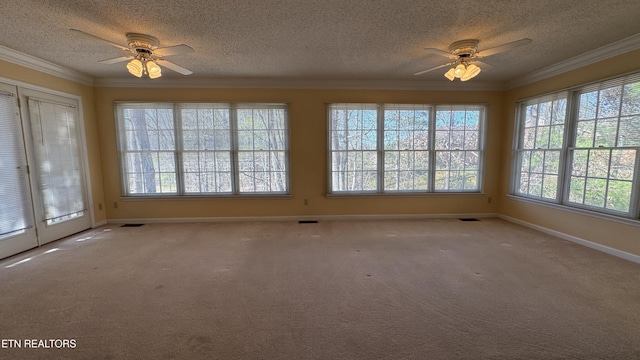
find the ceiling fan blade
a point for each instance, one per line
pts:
(173, 50)
(433, 68)
(484, 64)
(115, 60)
(121, 47)
(174, 67)
(440, 52)
(504, 47)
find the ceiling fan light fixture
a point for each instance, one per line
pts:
(460, 70)
(472, 71)
(135, 68)
(450, 74)
(153, 70)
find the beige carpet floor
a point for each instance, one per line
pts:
(392, 289)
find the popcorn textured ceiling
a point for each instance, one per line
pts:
(317, 39)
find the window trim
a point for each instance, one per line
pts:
(179, 151)
(431, 191)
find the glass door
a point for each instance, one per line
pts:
(57, 175)
(17, 232)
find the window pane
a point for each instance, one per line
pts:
(629, 133)
(585, 134)
(609, 102)
(631, 99)
(588, 106)
(594, 194)
(576, 191)
(606, 133)
(619, 195)
(622, 164)
(550, 186)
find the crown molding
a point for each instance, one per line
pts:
(32, 62)
(620, 47)
(263, 83)
(623, 46)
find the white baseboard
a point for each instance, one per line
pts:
(299, 218)
(100, 223)
(605, 249)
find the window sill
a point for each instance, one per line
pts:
(207, 197)
(404, 195)
(575, 210)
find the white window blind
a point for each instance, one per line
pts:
(15, 209)
(56, 149)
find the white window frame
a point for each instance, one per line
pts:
(519, 148)
(178, 151)
(432, 149)
(571, 146)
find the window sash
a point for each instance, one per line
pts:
(200, 149)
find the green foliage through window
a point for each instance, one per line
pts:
(592, 162)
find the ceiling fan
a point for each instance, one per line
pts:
(145, 55)
(464, 53)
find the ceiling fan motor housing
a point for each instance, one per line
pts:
(142, 43)
(464, 48)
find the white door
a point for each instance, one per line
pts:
(17, 232)
(57, 174)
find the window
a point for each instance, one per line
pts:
(203, 149)
(457, 148)
(580, 148)
(540, 147)
(390, 148)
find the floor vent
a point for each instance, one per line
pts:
(131, 225)
(308, 222)
(469, 219)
